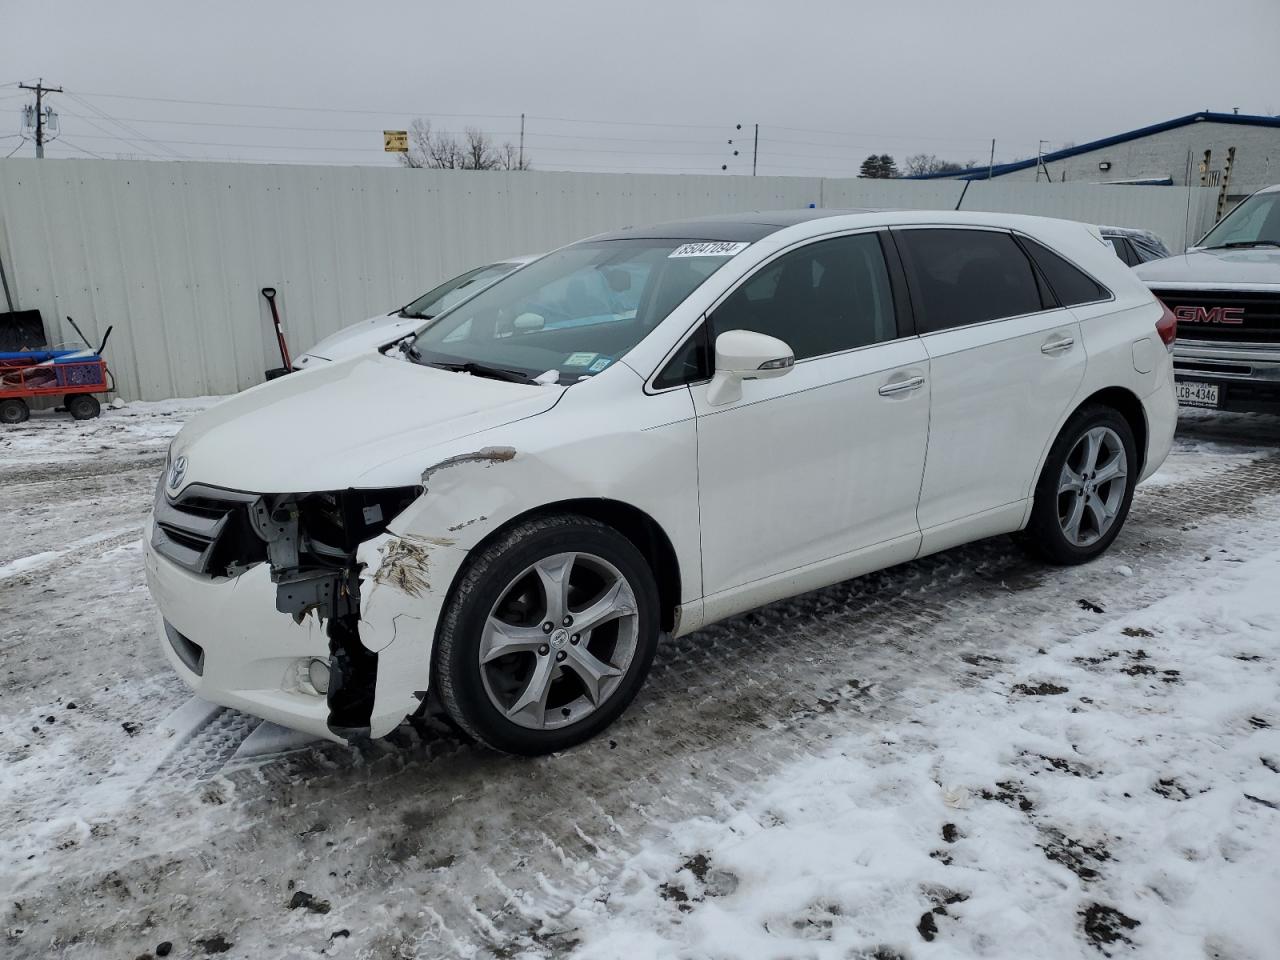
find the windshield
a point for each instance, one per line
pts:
(452, 292)
(572, 313)
(1255, 221)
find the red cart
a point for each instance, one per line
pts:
(74, 375)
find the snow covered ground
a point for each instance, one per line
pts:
(972, 755)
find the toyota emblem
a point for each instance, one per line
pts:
(177, 470)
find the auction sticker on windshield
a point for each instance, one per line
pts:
(707, 248)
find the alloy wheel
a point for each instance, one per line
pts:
(559, 640)
(1091, 487)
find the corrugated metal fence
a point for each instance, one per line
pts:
(175, 254)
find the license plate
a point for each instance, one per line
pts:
(1192, 393)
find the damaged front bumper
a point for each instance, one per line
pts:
(237, 641)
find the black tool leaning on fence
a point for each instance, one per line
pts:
(270, 294)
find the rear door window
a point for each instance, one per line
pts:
(962, 277)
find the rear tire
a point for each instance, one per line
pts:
(83, 406)
(578, 653)
(14, 410)
(1085, 489)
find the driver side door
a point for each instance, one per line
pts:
(814, 476)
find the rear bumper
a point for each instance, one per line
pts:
(1161, 409)
(1247, 375)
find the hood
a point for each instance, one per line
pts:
(358, 423)
(363, 337)
(1206, 268)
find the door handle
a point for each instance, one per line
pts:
(894, 387)
(1057, 346)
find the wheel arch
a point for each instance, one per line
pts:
(1126, 403)
(1123, 401)
(633, 523)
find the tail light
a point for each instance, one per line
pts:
(1167, 325)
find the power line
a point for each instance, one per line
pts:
(367, 130)
(116, 136)
(122, 125)
(279, 106)
(108, 135)
(81, 149)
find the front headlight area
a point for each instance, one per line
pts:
(309, 543)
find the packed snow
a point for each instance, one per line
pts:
(1119, 789)
(972, 755)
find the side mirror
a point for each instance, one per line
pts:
(528, 322)
(746, 355)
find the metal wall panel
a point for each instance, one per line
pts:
(175, 254)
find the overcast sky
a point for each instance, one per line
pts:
(642, 85)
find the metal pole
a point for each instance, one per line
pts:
(4, 281)
(40, 90)
(992, 162)
(755, 150)
(39, 118)
(520, 165)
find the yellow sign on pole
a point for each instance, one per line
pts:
(395, 141)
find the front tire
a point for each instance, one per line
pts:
(547, 636)
(1083, 496)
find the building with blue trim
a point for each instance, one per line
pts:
(1163, 153)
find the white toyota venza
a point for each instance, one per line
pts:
(640, 434)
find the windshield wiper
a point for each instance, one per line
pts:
(1239, 244)
(482, 370)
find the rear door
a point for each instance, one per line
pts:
(1005, 364)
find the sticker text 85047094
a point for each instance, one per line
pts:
(708, 248)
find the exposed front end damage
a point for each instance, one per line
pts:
(367, 570)
(312, 545)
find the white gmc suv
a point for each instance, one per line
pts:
(643, 433)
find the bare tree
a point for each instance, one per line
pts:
(477, 153)
(924, 163)
(443, 151)
(511, 159)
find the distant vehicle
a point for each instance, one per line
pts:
(1135, 246)
(640, 434)
(386, 328)
(1225, 293)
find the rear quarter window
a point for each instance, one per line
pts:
(1071, 284)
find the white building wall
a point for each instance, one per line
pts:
(174, 255)
(1257, 160)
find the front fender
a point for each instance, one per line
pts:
(644, 456)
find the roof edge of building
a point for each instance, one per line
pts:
(1204, 116)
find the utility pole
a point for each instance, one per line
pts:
(40, 90)
(755, 150)
(521, 162)
(992, 162)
